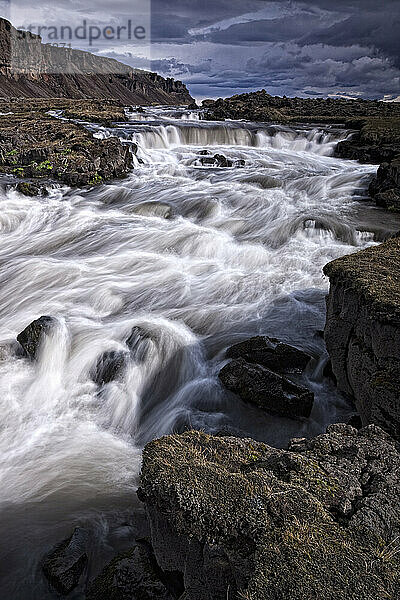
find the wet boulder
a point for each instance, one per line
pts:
(218, 160)
(267, 390)
(64, 566)
(109, 367)
(132, 575)
(271, 353)
(27, 188)
(31, 337)
(163, 210)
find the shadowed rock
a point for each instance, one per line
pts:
(65, 565)
(31, 337)
(270, 353)
(258, 385)
(130, 576)
(243, 520)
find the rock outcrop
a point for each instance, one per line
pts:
(36, 145)
(29, 69)
(362, 331)
(240, 519)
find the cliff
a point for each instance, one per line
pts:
(362, 331)
(29, 69)
(239, 519)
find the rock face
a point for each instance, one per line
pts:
(29, 69)
(130, 576)
(386, 187)
(263, 388)
(362, 331)
(64, 566)
(255, 374)
(32, 336)
(242, 520)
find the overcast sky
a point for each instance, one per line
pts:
(222, 47)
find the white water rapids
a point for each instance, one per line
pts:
(242, 255)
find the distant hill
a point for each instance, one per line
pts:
(29, 69)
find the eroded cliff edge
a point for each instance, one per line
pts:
(363, 331)
(240, 519)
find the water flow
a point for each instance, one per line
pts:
(189, 257)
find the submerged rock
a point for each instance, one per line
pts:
(258, 385)
(271, 353)
(31, 337)
(110, 366)
(139, 343)
(65, 565)
(130, 576)
(240, 519)
(162, 210)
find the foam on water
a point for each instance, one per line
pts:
(242, 254)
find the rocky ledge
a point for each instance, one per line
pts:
(36, 145)
(239, 519)
(362, 331)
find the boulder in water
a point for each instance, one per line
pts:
(270, 353)
(109, 366)
(163, 210)
(265, 389)
(65, 564)
(27, 188)
(31, 337)
(218, 160)
(132, 575)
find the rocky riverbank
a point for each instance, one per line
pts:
(376, 125)
(239, 519)
(37, 147)
(363, 331)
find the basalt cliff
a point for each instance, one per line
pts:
(30, 69)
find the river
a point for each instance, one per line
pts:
(241, 253)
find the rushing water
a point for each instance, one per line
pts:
(242, 253)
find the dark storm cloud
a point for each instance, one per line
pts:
(287, 46)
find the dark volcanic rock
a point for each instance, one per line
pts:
(386, 187)
(130, 576)
(110, 366)
(271, 353)
(263, 388)
(362, 331)
(30, 339)
(318, 521)
(218, 160)
(65, 565)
